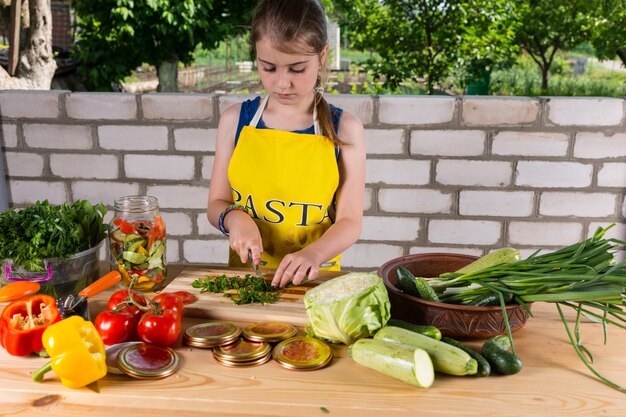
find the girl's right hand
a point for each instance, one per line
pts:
(244, 236)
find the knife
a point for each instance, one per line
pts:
(255, 267)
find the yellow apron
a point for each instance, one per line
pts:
(288, 182)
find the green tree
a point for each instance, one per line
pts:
(426, 39)
(609, 36)
(547, 26)
(116, 36)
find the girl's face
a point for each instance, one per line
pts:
(289, 78)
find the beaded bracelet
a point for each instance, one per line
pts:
(230, 208)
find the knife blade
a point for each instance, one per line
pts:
(255, 267)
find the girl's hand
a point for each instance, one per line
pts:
(296, 267)
(244, 236)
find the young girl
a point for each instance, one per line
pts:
(288, 178)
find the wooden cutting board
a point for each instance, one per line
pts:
(289, 308)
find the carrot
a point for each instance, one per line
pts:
(18, 289)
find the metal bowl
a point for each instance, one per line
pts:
(453, 320)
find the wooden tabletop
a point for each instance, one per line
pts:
(553, 382)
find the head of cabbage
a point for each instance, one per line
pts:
(348, 307)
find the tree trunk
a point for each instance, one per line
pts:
(168, 75)
(36, 67)
(544, 78)
(621, 53)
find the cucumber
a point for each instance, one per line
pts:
(491, 299)
(425, 290)
(134, 257)
(484, 369)
(496, 351)
(132, 236)
(406, 281)
(408, 364)
(430, 331)
(446, 359)
(496, 257)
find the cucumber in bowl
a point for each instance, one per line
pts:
(138, 250)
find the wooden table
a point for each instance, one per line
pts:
(553, 383)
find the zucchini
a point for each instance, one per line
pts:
(484, 369)
(408, 364)
(496, 257)
(406, 281)
(446, 359)
(496, 351)
(430, 331)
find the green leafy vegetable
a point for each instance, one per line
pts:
(249, 289)
(40, 231)
(348, 307)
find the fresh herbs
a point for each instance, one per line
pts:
(31, 234)
(246, 290)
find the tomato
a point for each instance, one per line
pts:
(186, 297)
(120, 298)
(160, 328)
(125, 227)
(116, 326)
(169, 301)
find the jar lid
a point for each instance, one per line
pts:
(256, 362)
(211, 334)
(302, 353)
(242, 351)
(112, 352)
(145, 361)
(269, 331)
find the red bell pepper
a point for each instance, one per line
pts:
(23, 322)
(126, 227)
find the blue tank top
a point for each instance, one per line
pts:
(249, 108)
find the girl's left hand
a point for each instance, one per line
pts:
(296, 267)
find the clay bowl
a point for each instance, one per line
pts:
(456, 321)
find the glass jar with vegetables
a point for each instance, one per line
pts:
(137, 242)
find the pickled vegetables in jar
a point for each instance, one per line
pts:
(137, 242)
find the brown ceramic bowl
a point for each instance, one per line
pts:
(456, 321)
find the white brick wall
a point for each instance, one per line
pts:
(476, 173)
(415, 110)
(492, 111)
(496, 203)
(133, 138)
(543, 174)
(468, 232)
(9, 135)
(447, 142)
(21, 164)
(57, 136)
(399, 200)
(30, 104)
(162, 167)
(451, 174)
(195, 139)
(103, 167)
(103, 191)
(101, 106)
(390, 228)
(599, 145)
(530, 144)
(174, 106)
(580, 111)
(577, 204)
(544, 233)
(393, 171)
(381, 141)
(612, 174)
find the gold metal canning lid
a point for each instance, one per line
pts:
(233, 364)
(199, 343)
(269, 331)
(242, 351)
(145, 361)
(211, 334)
(302, 353)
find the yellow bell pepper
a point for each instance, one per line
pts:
(76, 352)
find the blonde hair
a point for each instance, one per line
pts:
(293, 26)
